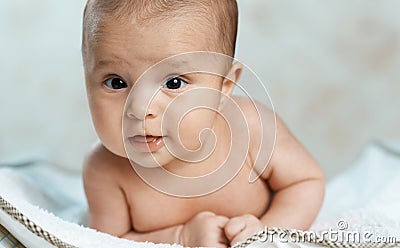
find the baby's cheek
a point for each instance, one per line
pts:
(109, 131)
(192, 126)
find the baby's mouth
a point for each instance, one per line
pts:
(146, 143)
(145, 139)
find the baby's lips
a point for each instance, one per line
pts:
(145, 139)
(146, 144)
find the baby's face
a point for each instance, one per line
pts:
(117, 60)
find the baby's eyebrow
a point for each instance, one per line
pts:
(112, 61)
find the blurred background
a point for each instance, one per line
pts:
(331, 69)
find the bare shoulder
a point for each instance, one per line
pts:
(98, 164)
(290, 161)
(261, 122)
(102, 168)
(108, 209)
(253, 109)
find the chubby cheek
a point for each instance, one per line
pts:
(107, 120)
(192, 125)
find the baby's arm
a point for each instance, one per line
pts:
(205, 229)
(297, 182)
(292, 174)
(108, 209)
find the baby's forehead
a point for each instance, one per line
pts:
(166, 33)
(143, 12)
(200, 18)
(149, 42)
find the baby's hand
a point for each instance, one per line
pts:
(239, 228)
(204, 229)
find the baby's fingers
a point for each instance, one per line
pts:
(238, 229)
(234, 227)
(242, 236)
(221, 221)
(223, 241)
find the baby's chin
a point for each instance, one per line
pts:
(160, 158)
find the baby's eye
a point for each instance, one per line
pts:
(116, 83)
(174, 83)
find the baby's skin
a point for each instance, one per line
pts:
(288, 193)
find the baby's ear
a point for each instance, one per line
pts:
(230, 80)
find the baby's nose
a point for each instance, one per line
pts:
(141, 105)
(140, 112)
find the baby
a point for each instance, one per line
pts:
(121, 41)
